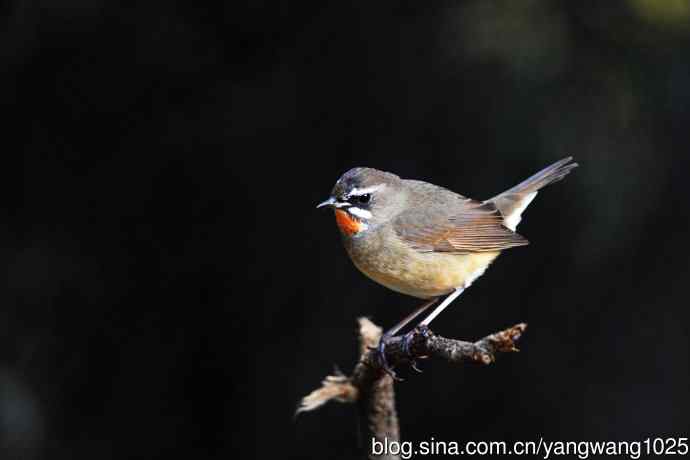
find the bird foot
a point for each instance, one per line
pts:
(381, 357)
(406, 340)
(407, 343)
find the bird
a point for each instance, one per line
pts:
(424, 240)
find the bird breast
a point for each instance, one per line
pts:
(392, 263)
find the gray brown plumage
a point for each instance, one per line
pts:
(424, 240)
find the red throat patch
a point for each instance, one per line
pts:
(347, 224)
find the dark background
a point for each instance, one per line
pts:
(169, 287)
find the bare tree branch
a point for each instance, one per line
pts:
(372, 388)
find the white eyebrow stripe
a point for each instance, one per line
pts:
(363, 191)
(361, 213)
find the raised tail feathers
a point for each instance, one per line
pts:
(513, 202)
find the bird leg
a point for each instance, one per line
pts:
(437, 311)
(389, 334)
(423, 327)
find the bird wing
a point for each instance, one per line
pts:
(456, 224)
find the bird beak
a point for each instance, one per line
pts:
(329, 202)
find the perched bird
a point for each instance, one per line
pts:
(424, 240)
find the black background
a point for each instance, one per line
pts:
(170, 288)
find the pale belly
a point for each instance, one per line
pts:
(423, 275)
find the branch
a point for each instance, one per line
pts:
(372, 388)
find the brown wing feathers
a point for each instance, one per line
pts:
(459, 225)
(469, 227)
(480, 228)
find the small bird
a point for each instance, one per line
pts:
(426, 241)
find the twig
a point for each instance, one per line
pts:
(372, 388)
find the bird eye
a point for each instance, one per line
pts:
(364, 198)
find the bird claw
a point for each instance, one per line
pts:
(406, 346)
(381, 358)
(423, 330)
(406, 342)
(380, 351)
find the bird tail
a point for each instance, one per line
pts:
(513, 202)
